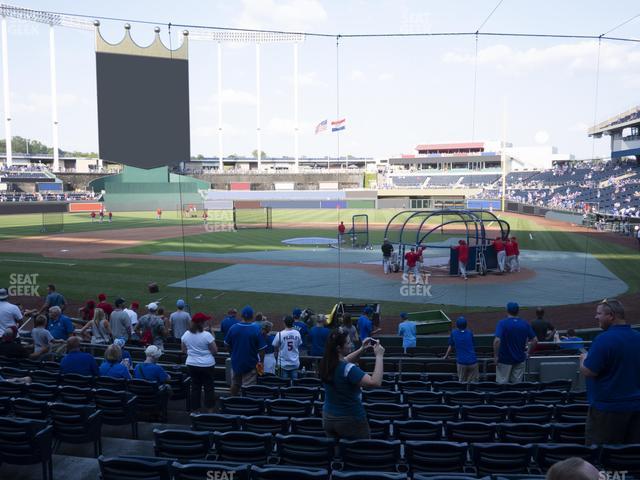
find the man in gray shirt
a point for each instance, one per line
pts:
(120, 321)
(150, 327)
(179, 320)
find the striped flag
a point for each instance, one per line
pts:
(337, 125)
(322, 126)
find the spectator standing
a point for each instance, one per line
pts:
(104, 305)
(150, 370)
(613, 379)
(350, 330)
(287, 344)
(132, 311)
(410, 263)
(228, 321)
(86, 312)
(112, 365)
(59, 325)
(467, 362)
(150, 328)
(100, 329)
(571, 341)
(463, 257)
(11, 348)
(246, 343)
(387, 251)
(407, 330)
(200, 347)
(516, 252)
(343, 415)
(53, 299)
(318, 336)
(513, 336)
(179, 320)
(76, 361)
(269, 352)
(302, 327)
(365, 325)
(120, 321)
(10, 314)
(498, 245)
(544, 330)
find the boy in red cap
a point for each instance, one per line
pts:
(104, 305)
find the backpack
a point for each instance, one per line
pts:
(147, 334)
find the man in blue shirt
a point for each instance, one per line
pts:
(467, 363)
(60, 326)
(229, 321)
(319, 335)
(513, 336)
(571, 342)
(407, 330)
(54, 299)
(76, 361)
(246, 343)
(302, 328)
(150, 370)
(613, 379)
(365, 325)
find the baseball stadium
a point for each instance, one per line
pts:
(465, 310)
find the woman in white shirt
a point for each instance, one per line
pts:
(200, 347)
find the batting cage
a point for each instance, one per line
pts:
(257, 218)
(52, 222)
(359, 231)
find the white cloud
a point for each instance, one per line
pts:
(386, 76)
(282, 14)
(356, 75)
(38, 102)
(286, 126)
(574, 56)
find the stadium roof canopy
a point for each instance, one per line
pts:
(630, 118)
(451, 146)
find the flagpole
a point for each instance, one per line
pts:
(338, 91)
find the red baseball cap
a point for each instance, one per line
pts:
(200, 317)
(102, 297)
(135, 305)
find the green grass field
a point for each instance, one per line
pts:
(83, 279)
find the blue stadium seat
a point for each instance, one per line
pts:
(199, 470)
(484, 413)
(422, 397)
(524, 433)
(265, 424)
(27, 442)
(436, 456)
(181, 444)
(284, 472)
(548, 454)
(131, 467)
(288, 408)
(215, 422)
(421, 430)
(305, 451)
(501, 458)
(242, 447)
(531, 414)
(376, 455)
(435, 413)
(241, 406)
(76, 424)
(469, 432)
(261, 392)
(387, 411)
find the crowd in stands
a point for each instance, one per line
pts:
(349, 411)
(46, 197)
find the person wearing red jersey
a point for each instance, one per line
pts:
(158, 214)
(101, 216)
(511, 255)
(93, 217)
(463, 257)
(110, 217)
(516, 250)
(410, 262)
(104, 305)
(341, 230)
(205, 217)
(501, 254)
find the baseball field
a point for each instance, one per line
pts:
(215, 269)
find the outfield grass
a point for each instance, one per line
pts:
(82, 279)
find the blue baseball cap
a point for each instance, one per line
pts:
(368, 310)
(247, 312)
(180, 303)
(513, 308)
(296, 312)
(404, 315)
(461, 323)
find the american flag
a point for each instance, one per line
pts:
(322, 126)
(337, 125)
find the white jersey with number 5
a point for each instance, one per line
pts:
(286, 344)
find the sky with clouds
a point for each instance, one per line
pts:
(394, 92)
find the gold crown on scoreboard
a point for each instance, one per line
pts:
(128, 47)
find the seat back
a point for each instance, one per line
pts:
(307, 426)
(435, 413)
(111, 383)
(10, 389)
(284, 472)
(380, 429)
(524, 433)
(621, 457)
(261, 392)
(75, 395)
(42, 391)
(505, 458)
(572, 413)
(265, 424)
(181, 444)
(27, 408)
(387, 411)
(470, 431)
(24, 441)
(531, 414)
(507, 398)
(308, 382)
(484, 413)
(436, 456)
(381, 396)
(376, 455)
(215, 422)
(202, 470)
(241, 406)
(248, 447)
(45, 377)
(547, 397)
(568, 432)
(421, 430)
(304, 394)
(76, 380)
(304, 450)
(422, 397)
(463, 398)
(273, 381)
(288, 408)
(548, 454)
(134, 468)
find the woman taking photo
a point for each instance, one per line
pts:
(343, 415)
(200, 347)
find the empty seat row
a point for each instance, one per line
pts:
(402, 430)
(382, 455)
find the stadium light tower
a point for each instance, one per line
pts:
(256, 38)
(53, 20)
